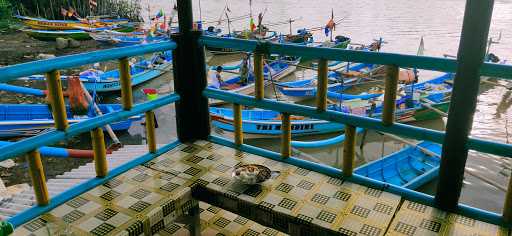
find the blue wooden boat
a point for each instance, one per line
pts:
(279, 69)
(31, 119)
(245, 34)
(124, 40)
(267, 123)
(304, 89)
(142, 71)
(409, 167)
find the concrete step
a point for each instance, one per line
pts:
(18, 202)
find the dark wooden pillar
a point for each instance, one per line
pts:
(189, 68)
(475, 29)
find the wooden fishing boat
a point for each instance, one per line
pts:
(267, 123)
(338, 82)
(245, 34)
(264, 123)
(303, 37)
(99, 81)
(140, 72)
(31, 119)
(410, 167)
(279, 69)
(51, 35)
(45, 24)
(119, 39)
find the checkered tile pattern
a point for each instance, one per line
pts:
(150, 199)
(417, 219)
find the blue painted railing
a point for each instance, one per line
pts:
(420, 62)
(429, 63)
(336, 54)
(414, 132)
(15, 149)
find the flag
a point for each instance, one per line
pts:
(160, 14)
(329, 27)
(93, 4)
(163, 26)
(252, 26)
(421, 48)
(330, 24)
(71, 12)
(63, 12)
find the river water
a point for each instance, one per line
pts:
(401, 23)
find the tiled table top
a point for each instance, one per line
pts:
(150, 198)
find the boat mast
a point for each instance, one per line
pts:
(200, 13)
(332, 18)
(290, 26)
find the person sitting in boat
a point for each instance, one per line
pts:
(217, 81)
(244, 70)
(94, 73)
(159, 59)
(270, 70)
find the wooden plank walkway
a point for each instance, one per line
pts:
(152, 198)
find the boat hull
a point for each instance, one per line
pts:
(249, 89)
(115, 85)
(45, 35)
(21, 120)
(254, 129)
(409, 167)
(45, 24)
(267, 129)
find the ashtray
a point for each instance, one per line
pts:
(252, 174)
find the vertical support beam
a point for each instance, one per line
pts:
(195, 220)
(388, 111)
(286, 138)
(475, 30)
(507, 208)
(239, 135)
(259, 83)
(100, 153)
(349, 150)
(189, 70)
(150, 131)
(126, 83)
(57, 100)
(321, 96)
(36, 171)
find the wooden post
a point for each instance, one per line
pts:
(189, 70)
(239, 135)
(126, 83)
(507, 208)
(150, 131)
(259, 83)
(388, 111)
(286, 128)
(36, 172)
(321, 96)
(475, 30)
(100, 153)
(349, 150)
(57, 100)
